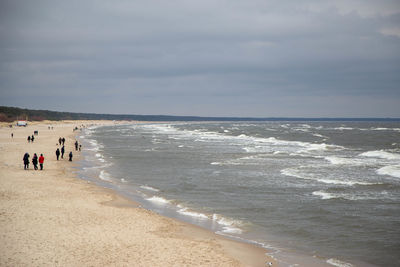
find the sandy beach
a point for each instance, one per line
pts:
(53, 218)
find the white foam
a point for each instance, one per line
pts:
(319, 135)
(339, 263)
(341, 182)
(343, 161)
(105, 176)
(391, 170)
(187, 212)
(322, 147)
(228, 225)
(251, 143)
(381, 154)
(149, 188)
(159, 200)
(349, 196)
(343, 128)
(297, 174)
(324, 195)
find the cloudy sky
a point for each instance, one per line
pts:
(260, 58)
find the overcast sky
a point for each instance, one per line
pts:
(260, 58)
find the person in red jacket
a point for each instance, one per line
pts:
(41, 161)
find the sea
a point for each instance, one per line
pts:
(313, 193)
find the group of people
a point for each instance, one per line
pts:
(35, 161)
(58, 153)
(77, 146)
(61, 141)
(40, 159)
(30, 138)
(35, 158)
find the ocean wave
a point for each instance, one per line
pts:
(229, 226)
(342, 128)
(391, 170)
(339, 263)
(381, 154)
(105, 176)
(187, 212)
(322, 147)
(149, 188)
(158, 200)
(251, 143)
(344, 161)
(293, 172)
(319, 135)
(352, 196)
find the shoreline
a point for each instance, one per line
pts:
(52, 217)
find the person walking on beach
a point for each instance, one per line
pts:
(29, 139)
(70, 156)
(41, 161)
(63, 141)
(59, 141)
(80, 147)
(26, 161)
(32, 138)
(35, 161)
(58, 153)
(62, 152)
(76, 145)
(12, 135)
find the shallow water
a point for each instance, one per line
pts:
(327, 190)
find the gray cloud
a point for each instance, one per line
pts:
(221, 58)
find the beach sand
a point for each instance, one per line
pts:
(53, 218)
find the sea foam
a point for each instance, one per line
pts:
(391, 170)
(149, 188)
(158, 200)
(381, 154)
(105, 176)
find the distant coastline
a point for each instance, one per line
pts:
(10, 114)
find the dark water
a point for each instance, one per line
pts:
(328, 191)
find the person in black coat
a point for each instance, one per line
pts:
(26, 161)
(58, 153)
(70, 156)
(62, 152)
(35, 161)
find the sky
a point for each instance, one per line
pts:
(243, 58)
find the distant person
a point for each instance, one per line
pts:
(63, 141)
(62, 152)
(41, 161)
(70, 156)
(59, 141)
(58, 153)
(32, 138)
(35, 161)
(26, 161)
(76, 145)
(80, 147)
(12, 135)
(29, 139)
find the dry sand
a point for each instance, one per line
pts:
(53, 218)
